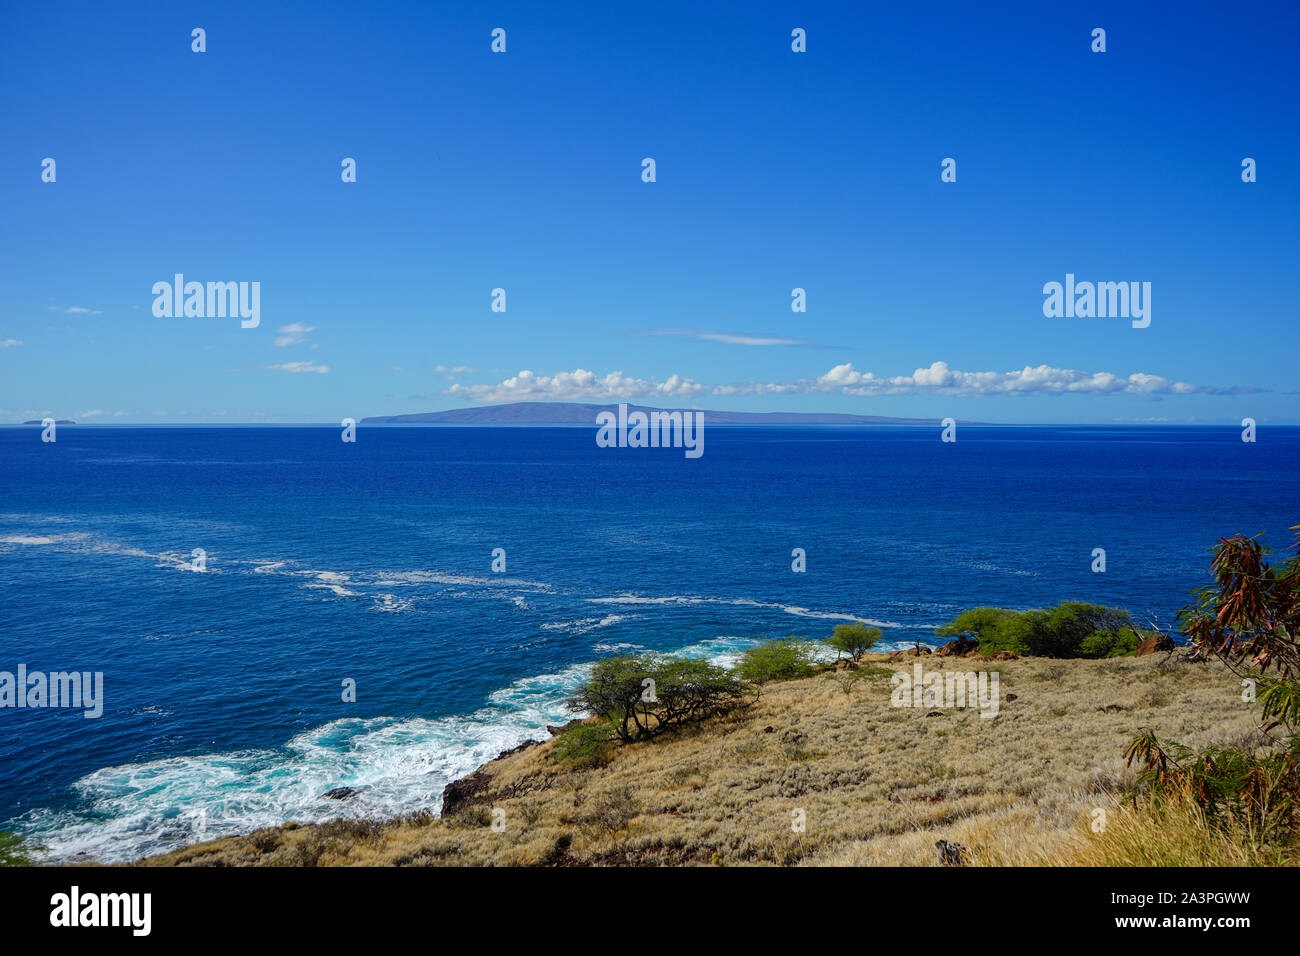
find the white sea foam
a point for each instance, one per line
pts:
(391, 603)
(38, 539)
(604, 648)
(584, 624)
(399, 578)
(796, 610)
(396, 766)
(331, 581)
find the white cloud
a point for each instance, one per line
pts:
(9, 343)
(294, 334)
(297, 367)
(727, 338)
(80, 310)
(1030, 380)
(91, 414)
(937, 378)
(579, 385)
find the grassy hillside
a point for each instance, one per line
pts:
(877, 784)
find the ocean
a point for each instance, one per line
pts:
(371, 562)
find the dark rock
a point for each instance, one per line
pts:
(556, 731)
(935, 713)
(465, 792)
(1154, 644)
(1009, 697)
(338, 793)
(514, 750)
(951, 854)
(958, 647)
(769, 729)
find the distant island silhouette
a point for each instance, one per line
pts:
(580, 413)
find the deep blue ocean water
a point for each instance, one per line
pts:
(372, 561)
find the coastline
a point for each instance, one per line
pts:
(877, 784)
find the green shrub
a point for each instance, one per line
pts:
(1121, 643)
(15, 851)
(854, 639)
(585, 745)
(786, 659)
(1249, 618)
(979, 623)
(1071, 629)
(1231, 785)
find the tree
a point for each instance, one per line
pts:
(785, 659)
(1250, 618)
(1071, 629)
(854, 639)
(979, 623)
(642, 696)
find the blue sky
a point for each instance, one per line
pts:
(775, 170)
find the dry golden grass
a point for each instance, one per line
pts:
(878, 784)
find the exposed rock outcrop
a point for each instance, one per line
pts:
(465, 792)
(1154, 644)
(958, 647)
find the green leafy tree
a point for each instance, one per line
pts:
(1071, 629)
(854, 639)
(642, 696)
(786, 659)
(979, 623)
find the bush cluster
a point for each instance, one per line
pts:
(1072, 629)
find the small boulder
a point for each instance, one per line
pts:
(338, 793)
(951, 854)
(1154, 644)
(958, 647)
